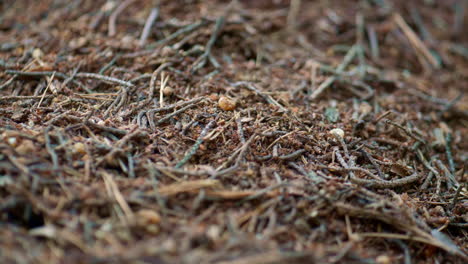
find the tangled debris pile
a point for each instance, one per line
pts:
(142, 131)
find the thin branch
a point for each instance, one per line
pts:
(115, 14)
(346, 61)
(196, 146)
(148, 25)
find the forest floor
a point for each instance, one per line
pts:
(233, 132)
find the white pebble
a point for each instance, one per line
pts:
(12, 141)
(337, 132)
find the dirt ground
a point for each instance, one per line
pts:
(234, 132)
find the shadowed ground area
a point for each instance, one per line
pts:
(233, 132)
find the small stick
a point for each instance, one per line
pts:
(407, 131)
(153, 80)
(123, 99)
(23, 97)
(383, 184)
(50, 149)
(281, 137)
(360, 43)
(422, 28)
(114, 192)
(167, 117)
(427, 97)
(184, 40)
(264, 191)
(298, 168)
(131, 166)
(97, 19)
(389, 142)
(69, 79)
(273, 133)
(377, 183)
(108, 65)
(372, 161)
(293, 155)
(201, 61)
(240, 131)
(380, 117)
(150, 113)
(374, 43)
(121, 143)
(438, 183)
(313, 77)
(115, 131)
(450, 104)
(343, 162)
(45, 73)
(267, 97)
(263, 158)
(238, 152)
(148, 25)
(347, 59)
(152, 88)
(343, 145)
(113, 104)
(339, 157)
(178, 104)
(429, 167)
(460, 7)
(427, 181)
(179, 32)
(448, 151)
(142, 119)
(327, 68)
(196, 146)
(141, 77)
(161, 89)
(369, 91)
(10, 81)
(415, 40)
(457, 195)
(45, 90)
(451, 180)
(115, 14)
(294, 8)
(212, 173)
(103, 78)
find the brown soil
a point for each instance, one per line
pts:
(234, 132)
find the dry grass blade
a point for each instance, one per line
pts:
(416, 41)
(187, 186)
